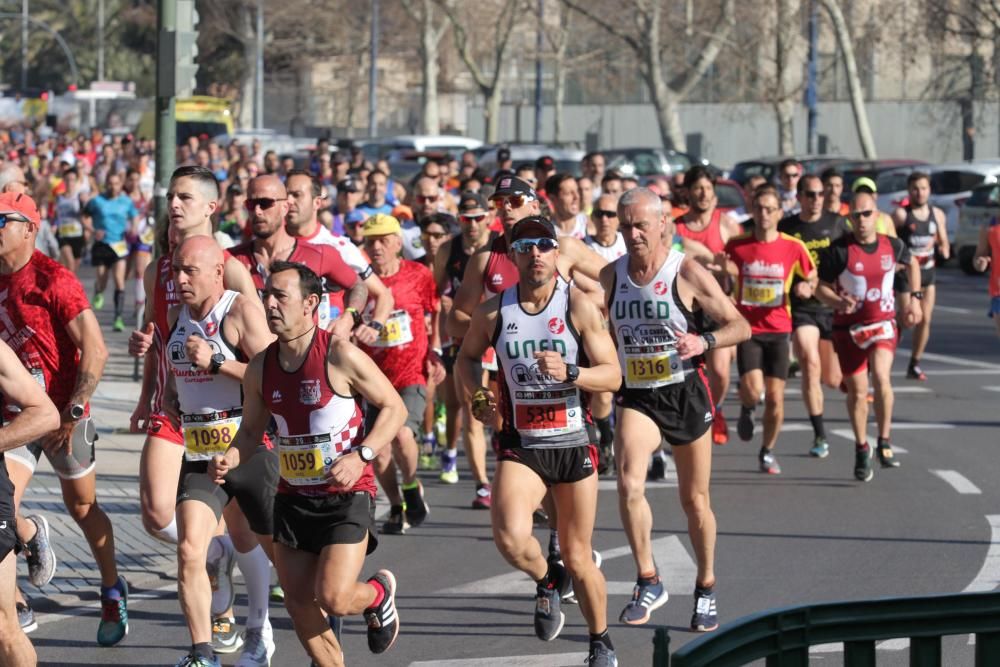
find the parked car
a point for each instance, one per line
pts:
(982, 206)
(375, 149)
(952, 186)
(652, 161)
(728, 195)
(889, 176)
(768, 166)
(567, 159)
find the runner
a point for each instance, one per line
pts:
(988, 257)
(789, 173)
(213, 332)
(812, 320)
(435, 231)
(922, 228)
(763, 265)
(655, 296)
(564, 196)
(36, 417)
(141, 240)
(312, 383)
(542, 328)
(707, 225)
(54, 332)
(856, 279)
(883, 221)
(833, 189)
(406, 356)
(67, 213)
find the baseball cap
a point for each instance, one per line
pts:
(354, 217)
(512, 185)
(503, 154)
(545, 162)
(863, 182)
(21, 204)
(381, 224)
(347, 185)
(534, 226)
(470, 201)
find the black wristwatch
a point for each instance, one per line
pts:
(216, 364)
(76, 411)
(376, 325)
(572, 372)
(709, 341)
(366, 453)
(918, 295)
(356, 315)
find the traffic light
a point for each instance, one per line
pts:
(177, 53)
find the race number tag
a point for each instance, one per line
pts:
(120, 248)
(550, 413)
(489, 360)
(305, 459)
(646, 371)
(764, 292)
(70, 229)
(148, 236)
(864, 335)
(209, 434)
(397, 330)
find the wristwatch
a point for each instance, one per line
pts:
(366, 453)
(216, 364)
(376, 325)
(572, 372)
(76, 411)
(709, 341)
(355, 314)
(918, 295)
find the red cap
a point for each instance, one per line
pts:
(22, 204)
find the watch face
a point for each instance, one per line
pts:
(218, 358)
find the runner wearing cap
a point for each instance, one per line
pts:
(883, 221)
(348, 197)
(542, 328)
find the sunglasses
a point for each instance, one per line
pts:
(600, 213)
(813, 194)
(858, 215)
(476, 217)
(524, 246)
(9, 217)
(513, 201)
(426, 199)
(263, 202)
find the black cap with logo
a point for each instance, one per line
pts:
(534, 226)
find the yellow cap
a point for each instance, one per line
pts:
(864, 182)
(380, 224)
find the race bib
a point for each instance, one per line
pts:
(551, 413)
(489, 360)
(305, 459)
(120, 248)
(397, 330)
(209, 434)
(658, 369)
(864, 335)
(70, 229)
(766, 292)
(148, 236)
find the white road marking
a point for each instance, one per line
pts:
(912, 390)
(988, 578)
(553, 659)
(953, 309)
(952, 371)
(958, 481)
(993, 388)
(949, 359)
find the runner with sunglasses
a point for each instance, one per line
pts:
(856, 276)
(542, 328)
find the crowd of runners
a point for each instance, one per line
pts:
(312, 335)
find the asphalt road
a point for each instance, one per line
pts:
(811, 534)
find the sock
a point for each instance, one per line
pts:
(379, 593)
(415, 484)
(216, 547)
(429, 435)
(914, 362)
(140, 293)
(883, 442)
(648, 578)
(861, 446)
(450, 453)
(168, 533)
(819, 429)
(256, 569)
(203, 650)
(553, 542)
(119, 302)
(113, 592)
(603, 638)
(604, 427)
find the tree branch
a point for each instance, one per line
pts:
(684, 83)
(581, 8)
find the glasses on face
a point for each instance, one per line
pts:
(473, 217)
(861, 215)
(513, 201)
(601, 213)
(6, 218)
(524, 246)
(813, 194)
(426, 199)
(263, 202)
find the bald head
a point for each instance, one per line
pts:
(863, 201)
(12, 179)
(198, 267)
(202, 250)
(266, 185)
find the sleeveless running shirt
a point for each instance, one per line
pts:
(458, 259)
(868, 277)
(647, 319)
(210, 405)
(501, 272)
(710, 237)
(994, 246)
(609, 252)
(543, 413)
(315, 424)
(920, 236)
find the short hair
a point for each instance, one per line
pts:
(203, 176)
(525, 166)
(697, 173)
(800, 187)
(788, 163)
(317, 187)
(554, 182)
(639, 196)
(610, 176)
(309, 282)
(765, 190)
(830, 172)
(917, 176)
(591, 155)
(379, 172)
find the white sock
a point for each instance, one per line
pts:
(256, 569)
(140, 292)
(453, 452)
(168, 533)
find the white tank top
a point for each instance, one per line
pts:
(579, 230)
(543, 412)
(647, 320)
(609, 252)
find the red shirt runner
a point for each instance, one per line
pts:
(765, 278)
(710, 237)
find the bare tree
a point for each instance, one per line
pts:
(431, 32)
(558, 38)
(645, 41)
(787, 77)
(236, 19)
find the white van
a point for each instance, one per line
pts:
(444, 143)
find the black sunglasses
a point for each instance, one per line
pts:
(601, 213)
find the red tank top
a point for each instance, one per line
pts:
(312, 418)
(500, 272)
(710, 237)
(868, 277)
(994, 239)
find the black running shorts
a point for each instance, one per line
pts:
(101, 254)
(76, 245)
(766, 352)
(8, 536)
(683, 412)
(556, 465)
(821, 319)
(252, 483)
(310, 523)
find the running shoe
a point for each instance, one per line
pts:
(646, 598)
(427, 448)
(605, 459)
(820, 448)
(793, 368)
(913, 372)
(449, 467)
(276, 593)
(769, 462)
(258, 647)
(114, 615)
(440, 422)
(705, 617)
(26, 616)
(720, 429)
(549, 618)
(746, 424)
(601, 656)
(484, 497)
(225, 637)
(98, 301)
(383, 621)
(863, 463)
(415, 506)
(119, 324)
(886, 456)
(396, 523)
(193, 660)
(39, 553)
(220, 576)
(539, 518)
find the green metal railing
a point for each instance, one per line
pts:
(783, 636)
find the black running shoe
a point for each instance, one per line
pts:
(657, 467)
(886, 456)
(863, 463)
(396, 524)
(416, 507)
(745, 425)
(383, 621)
(549, 618)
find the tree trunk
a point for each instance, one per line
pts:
(667, 116)
(560, 95)
(492, 112)
(783, 107)
(247, 85)
(853, 80)
(429, 39)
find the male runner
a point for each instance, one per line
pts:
(655, 297)
(812, 320)
(856, 276)
(988, 257)
(405, 353)
(36, 417)
(763, 265)
(707, 225)
(542, 328)
(52, 329)
(313, 383)
(833, 188)
(564, 196)
(922, 228)
(789, 173)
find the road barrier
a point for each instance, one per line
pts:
(783, 636)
